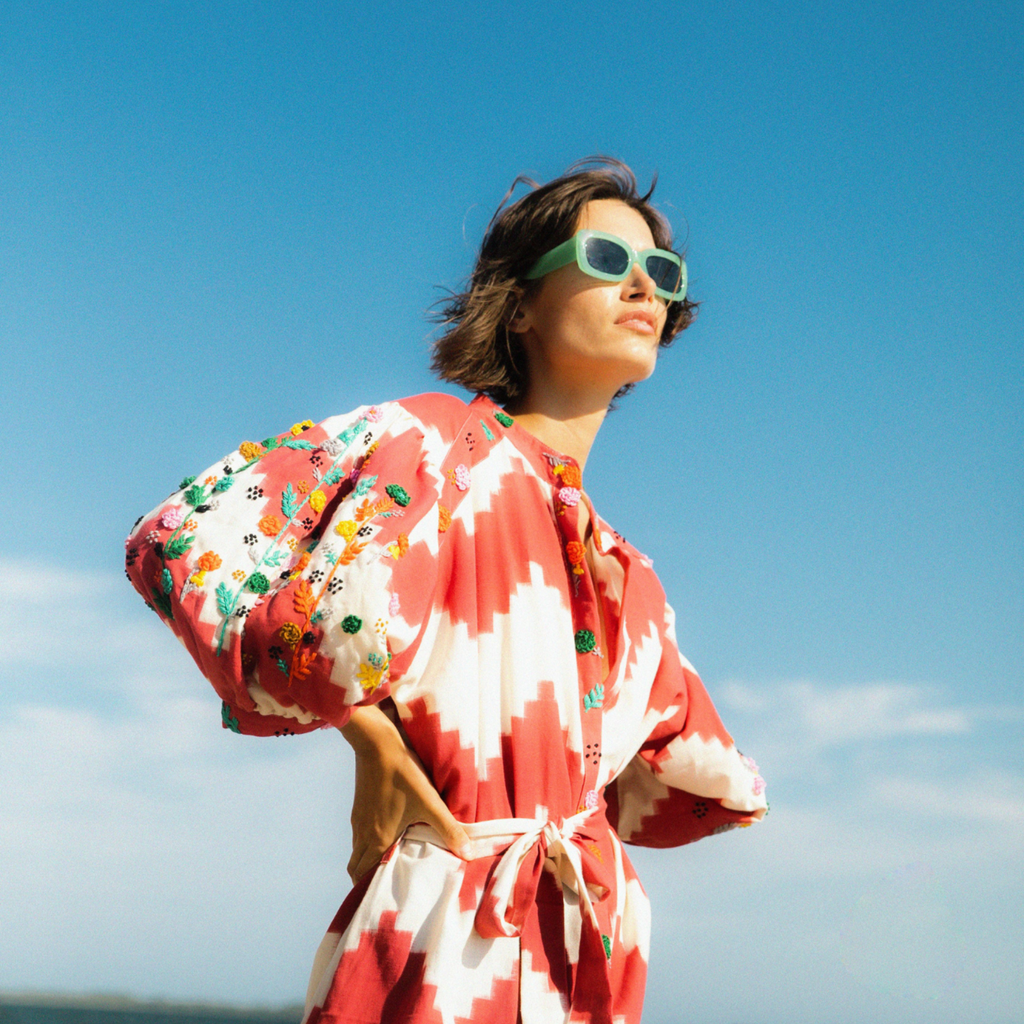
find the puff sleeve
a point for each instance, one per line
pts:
(687, 780)
(297, 568)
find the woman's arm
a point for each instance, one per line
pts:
(392, 792)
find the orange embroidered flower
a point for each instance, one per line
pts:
(210, 561)
(302, 487)
(290, 633)
(576, 552)
(571, 476)
(238, 575)
(270, 526)
(192, 524)
(292, 543)
(317, 500)
(400, 547)
(210, 480)
(444, 519)
(302, 562)
(250, 450)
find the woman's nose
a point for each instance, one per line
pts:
(639, 284)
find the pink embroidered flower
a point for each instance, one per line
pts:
(569, 496)
(393, 605)
(375, 413)
(750, 763)
(590, 800)
(172, 517)
(461, 477)
(758, 785)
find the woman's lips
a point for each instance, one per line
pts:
(638, 320)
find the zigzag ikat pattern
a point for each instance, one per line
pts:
(427, 554)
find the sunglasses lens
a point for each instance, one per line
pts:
(606, 257)
(664, 272)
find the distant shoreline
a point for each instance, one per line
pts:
(110, 1001)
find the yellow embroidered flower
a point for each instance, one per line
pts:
(250, 450)
(381, 626)
(238, 575)
(370, 677)
(198, 578)
(347, 529)
(290, 633)
(400, 547)
(317, 500)
(302, 487)
(298, 428)
(444, 519)
(292, 543)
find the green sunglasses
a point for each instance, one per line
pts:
(609, 258)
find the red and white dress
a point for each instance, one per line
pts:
(428, 551)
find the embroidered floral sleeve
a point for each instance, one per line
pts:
(688, 780)
(277, 567)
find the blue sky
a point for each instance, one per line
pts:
(218, 219)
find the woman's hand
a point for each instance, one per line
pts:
(392, 792)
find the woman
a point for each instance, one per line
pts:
(430, 578)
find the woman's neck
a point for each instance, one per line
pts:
(565, 423)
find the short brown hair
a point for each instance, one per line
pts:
(477, 350)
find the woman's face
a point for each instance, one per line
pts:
(579, 331)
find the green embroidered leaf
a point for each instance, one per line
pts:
(179, 546)
(281, 665)
(487, 431)
(595, 698)
(399, 494)
(298, 442)
(270, 443)
(225, 601)
(229, 720)
(195, 494)
(346, 437)
(274, 559)
(364, 485)
(289, 502)
(186, 482)
(223, 483)
(332, 476)
(316, 617)
(162, 602)
(166, 581)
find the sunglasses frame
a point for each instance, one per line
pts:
(574, 250)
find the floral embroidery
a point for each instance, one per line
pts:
(172, 517)
(237, 575)
(596, 851)
(292, 543)
(700, 808)
(290, 633)
(394, 605)
(372, 673)
(569, 496)
(351, 624)
(258, 583)
(269, 526)
(210, 561)
(399, 494)
(400, 547)
(570, 474)
(197, 579)
(302, 487)
(347, 529)
(166, 581)
(444, 519)
(758, 785)
(250, 450)
(590, 800)
(191, 525)
(461, 477)
(503, 418)
(317, 501)
(298, 428)
(576, 553)
(607, 940)
(381, 626)
(594, 699)
(585, 641)
(374, 414)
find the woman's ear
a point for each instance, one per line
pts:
(518, 322)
